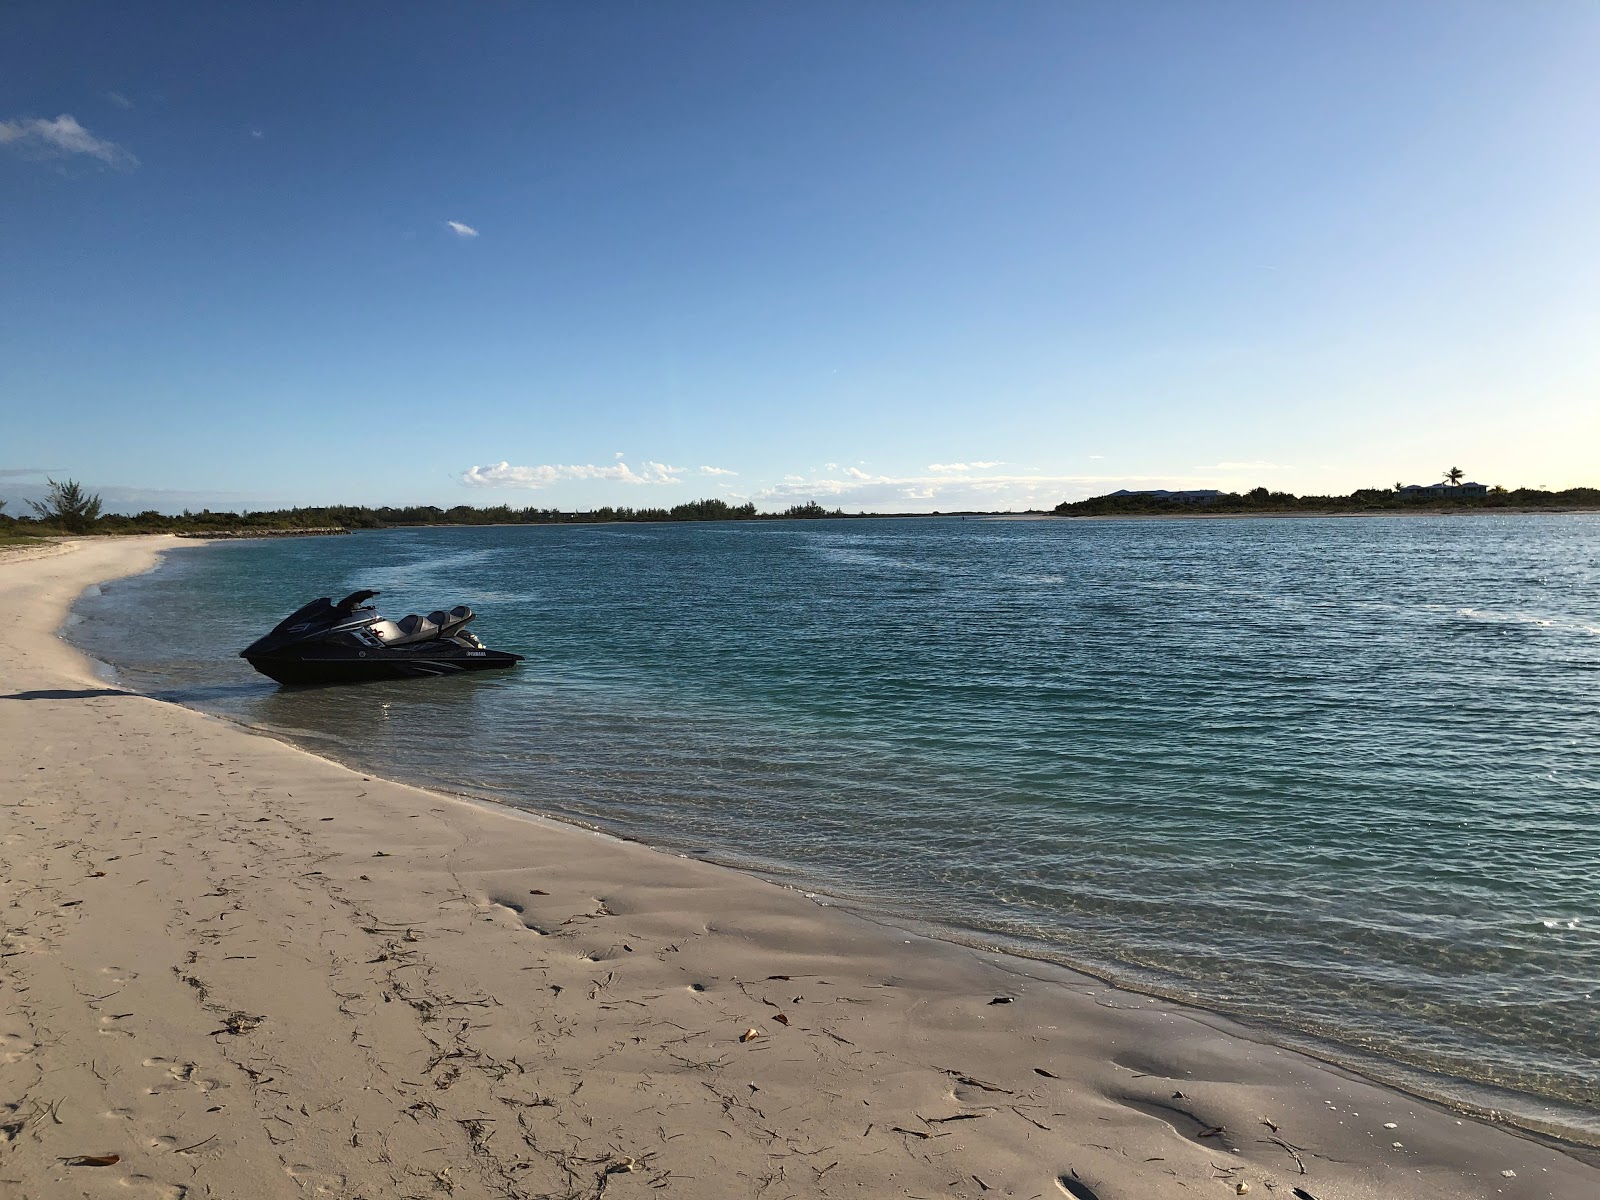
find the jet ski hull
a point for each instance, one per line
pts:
(349, 642)
(363, 666)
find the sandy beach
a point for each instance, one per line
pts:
(230, 968)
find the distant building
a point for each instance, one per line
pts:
(1193, 496)
(1445, 489)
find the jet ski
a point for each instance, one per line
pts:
(349, 642)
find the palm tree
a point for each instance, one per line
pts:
(69, 504)
(1454, 476)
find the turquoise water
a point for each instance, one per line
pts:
(1340, 777)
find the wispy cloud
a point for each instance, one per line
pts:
(119, 100)
(1244, 466)
(60, 138)
(460, 230)
(716, 471)
(948, 492)
(504, 475)
(24, 472)
(969, 466)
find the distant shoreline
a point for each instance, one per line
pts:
(1278, 513)
(20, 538)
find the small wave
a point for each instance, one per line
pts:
(1535, 620)
(1479, 614)
(1560, 922)
(420, 570)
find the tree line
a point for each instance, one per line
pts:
(68, 507)
(1262, 500)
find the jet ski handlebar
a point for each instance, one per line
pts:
(354, 601)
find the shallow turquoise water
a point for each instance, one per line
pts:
(1338, 776)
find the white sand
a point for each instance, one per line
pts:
(246, 971)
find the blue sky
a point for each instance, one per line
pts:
(892, 256)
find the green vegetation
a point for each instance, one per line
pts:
(69, 508)
(68, 505)
(1260, 500)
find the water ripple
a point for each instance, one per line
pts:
(1339, 776)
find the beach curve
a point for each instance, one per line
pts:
(240, 969)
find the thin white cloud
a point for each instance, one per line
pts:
(119, 100)
(504, 475)
(60, 138)
(971, 466)
(258, 133)
(716, 471)
(951, 493)
(1244, 466)
(460, 230)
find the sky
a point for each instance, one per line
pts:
(898, 256)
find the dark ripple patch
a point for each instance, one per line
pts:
(1340, 776)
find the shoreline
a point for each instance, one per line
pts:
(1425, 1085)
(1048, 1095)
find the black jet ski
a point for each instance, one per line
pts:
(350, 642)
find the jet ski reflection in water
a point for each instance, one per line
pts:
(349, 642)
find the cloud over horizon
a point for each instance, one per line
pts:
(504, 475)
(951, 493)
(60, 138)
(24, 472)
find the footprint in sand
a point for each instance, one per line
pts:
(109, 1028)
(183, 1076)
(145, 1185)
(520, 912)
(318, 1181)
(14, 1048)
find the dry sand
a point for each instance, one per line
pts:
(240, 970)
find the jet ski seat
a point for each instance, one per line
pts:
(452, 621)
(414, 629)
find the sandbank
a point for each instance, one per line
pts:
(233, 969)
